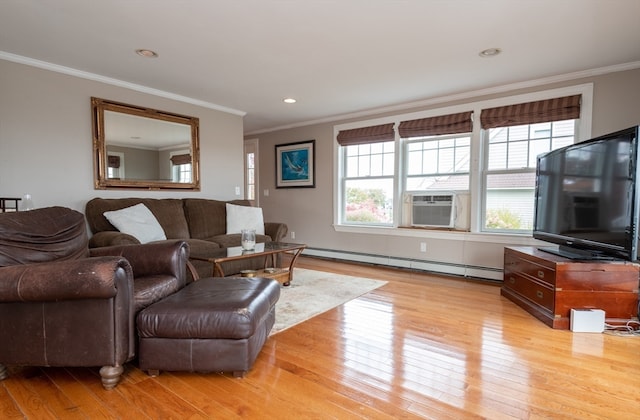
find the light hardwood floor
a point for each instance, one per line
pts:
(422, 346)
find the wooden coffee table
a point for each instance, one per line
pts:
(268, 250)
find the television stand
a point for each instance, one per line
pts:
(576, 254)
(548, 286)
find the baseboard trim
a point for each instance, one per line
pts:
(484, 273)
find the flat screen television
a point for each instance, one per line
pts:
(586, 198)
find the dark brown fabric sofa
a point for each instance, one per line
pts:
(202, 223)
(62, 304)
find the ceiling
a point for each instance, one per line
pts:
(336, 57)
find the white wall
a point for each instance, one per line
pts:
(46, 150)
(46, 139)
(309, 212)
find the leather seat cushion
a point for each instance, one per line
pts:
(150, 289)
(228, 308)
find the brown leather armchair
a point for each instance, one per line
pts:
(62, 306)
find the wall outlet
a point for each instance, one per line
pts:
(293, 235)
(423, 247)
(265, 193)
(237, 190)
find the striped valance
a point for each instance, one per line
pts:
(113, 161)
(181, 159)
(557, 109)
(436, 126)
(362, 135)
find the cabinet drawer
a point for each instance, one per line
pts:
(532, 290)
(531, 269)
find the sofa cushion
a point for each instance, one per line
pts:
(168, 211)
(207, 218)
(202, 248)
(137, 221)
(244, 217)
(41, 235)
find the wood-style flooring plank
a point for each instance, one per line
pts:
(421, 346)
(8, 407)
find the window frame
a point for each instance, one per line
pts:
(345, 179)
(473, 205)
(486, 171)
(405, 142)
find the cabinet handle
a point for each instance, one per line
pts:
(539, 294)
(512, 280)
(541, 274)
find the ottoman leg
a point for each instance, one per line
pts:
(239, 373)
(153, 372)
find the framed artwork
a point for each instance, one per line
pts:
(295, 165)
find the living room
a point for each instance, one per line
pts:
(41, 104)
(46, 151)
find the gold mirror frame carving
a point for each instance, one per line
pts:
(102, 181)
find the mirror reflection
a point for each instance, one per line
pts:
(144, 148)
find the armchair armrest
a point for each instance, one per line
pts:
(111, 238)
(277, 231)
(88, 278)
(164, 257)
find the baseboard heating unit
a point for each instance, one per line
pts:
(485, 273)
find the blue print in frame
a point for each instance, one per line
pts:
(295, 164)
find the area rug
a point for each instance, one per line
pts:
(314, 292)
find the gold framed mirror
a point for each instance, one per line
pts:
(143, 148)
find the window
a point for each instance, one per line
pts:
(115, 165)
(511, 165)
(181, 166)
(488, 163)
(438, 163)
(182, 173)
(251, 172)
(250, 176)
(368, 183)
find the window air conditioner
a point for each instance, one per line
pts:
(435, 210)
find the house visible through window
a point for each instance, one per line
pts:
(510, 175)
(488, 165)
(368, 184)
(438, 163)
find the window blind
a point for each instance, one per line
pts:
(435, 126)
(113, 161)
(372, 134)
(557, 109)
(181, 159)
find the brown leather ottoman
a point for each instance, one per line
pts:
(211, 325)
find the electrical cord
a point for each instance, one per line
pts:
(630, 329)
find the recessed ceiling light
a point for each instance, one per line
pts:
(147, 53)
(289, 101)
(490, 52)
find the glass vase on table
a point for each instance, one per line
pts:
(248, 239)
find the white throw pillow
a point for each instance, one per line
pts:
(244, 217)
(137, 221)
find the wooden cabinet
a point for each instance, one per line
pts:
(549, 286)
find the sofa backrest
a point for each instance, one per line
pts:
(168, 211)
(42, 235)
(208, 218)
